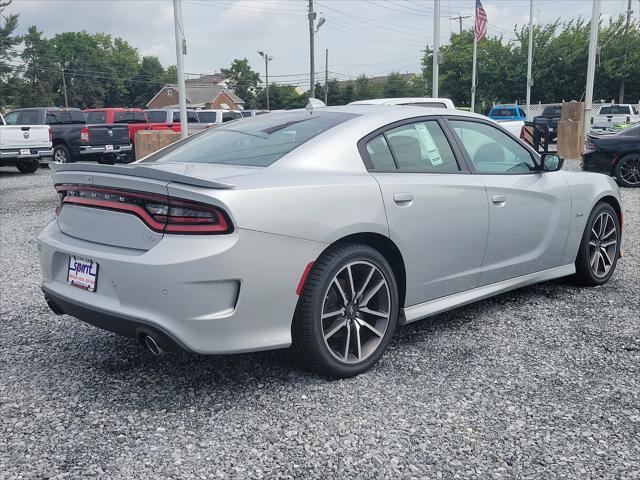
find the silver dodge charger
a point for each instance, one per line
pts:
(323, 229)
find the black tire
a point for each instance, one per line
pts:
(61, 154)
(27, 166)
(308, 336)
(627, 171)
(585, 274)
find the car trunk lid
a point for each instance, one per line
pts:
(108, 134)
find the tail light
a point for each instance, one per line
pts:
(85, 134)
(628, 119)
(50, 135)
(591, 120)
(590, 144)
(160, 213)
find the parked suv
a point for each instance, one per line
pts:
(169, 118)
(612, 115)
(23, 146)
(73, 139)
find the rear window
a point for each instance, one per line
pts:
(96, 117)
(128, 117)
(257, 142)
(65, 116)
(157, 117)
(503, 112)
(207, 117)
(615, 110)
(552, 111)
(228, 116)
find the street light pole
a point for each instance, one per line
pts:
(436, 47)
(267, 59)
(591, 66)
(530, 59)
(312, 73)
(180, 52)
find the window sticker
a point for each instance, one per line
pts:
(427, 141)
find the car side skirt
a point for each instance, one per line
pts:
(433, 307)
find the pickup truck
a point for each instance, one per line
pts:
(23, 146)
(73, 139)
(134, 118)
(612, 115)
(169, 118)
(550, 118)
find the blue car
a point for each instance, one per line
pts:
(507, 112)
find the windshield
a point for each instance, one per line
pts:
(258, 142)
(615, 110)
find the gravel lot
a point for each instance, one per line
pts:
(541, 383)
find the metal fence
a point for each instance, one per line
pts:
(537, 108)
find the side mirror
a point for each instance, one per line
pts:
(551, 162)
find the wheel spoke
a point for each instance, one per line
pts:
(373, 312)
(332, 314)
(351, 284)
(609, 243)
(356, 326)
(346, 345)
(594, 261)
(362, 323)
(600, 260)
(371, 293)
(366, 282)
(344, 297)
(593, 243)
(603, 252)
(609, 233)
(335, 328)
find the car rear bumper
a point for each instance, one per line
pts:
(102, 149)
(206, 294)
(12, 156)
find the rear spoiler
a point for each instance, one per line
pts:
(138, 170)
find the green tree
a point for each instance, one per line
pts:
(395, 86)
(149, 79)
(362, 88)
(243, 80)
(39, 69)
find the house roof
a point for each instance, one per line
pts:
(205, 92)
(198, 93)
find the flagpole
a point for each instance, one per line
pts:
(473, 72)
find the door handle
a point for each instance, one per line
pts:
(403, 199)
(499, 200)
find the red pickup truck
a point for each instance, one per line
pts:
(135, 119)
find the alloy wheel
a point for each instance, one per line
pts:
(630, 171)
(603, 243)
(355, 312)
(60, 156)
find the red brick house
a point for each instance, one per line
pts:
(199, 95)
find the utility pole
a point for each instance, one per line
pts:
(459, 19)
(591, 66)
(436, 47)
(312, 73)
(626, 46)
(313, 29)
(326, 76)
(530, 59)
(267, 59)
(181, 47)
(64, 85)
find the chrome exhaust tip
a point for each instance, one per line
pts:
(152, 346)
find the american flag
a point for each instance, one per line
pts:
(481, 21)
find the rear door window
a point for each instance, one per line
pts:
(380, 154)
(422, 147)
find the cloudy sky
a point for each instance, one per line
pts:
(363, 36)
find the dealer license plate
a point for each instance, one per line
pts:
(83, 273)
(25, 151)
(108, 147)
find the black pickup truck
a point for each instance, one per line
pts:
(550, 117)
(73, 139)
